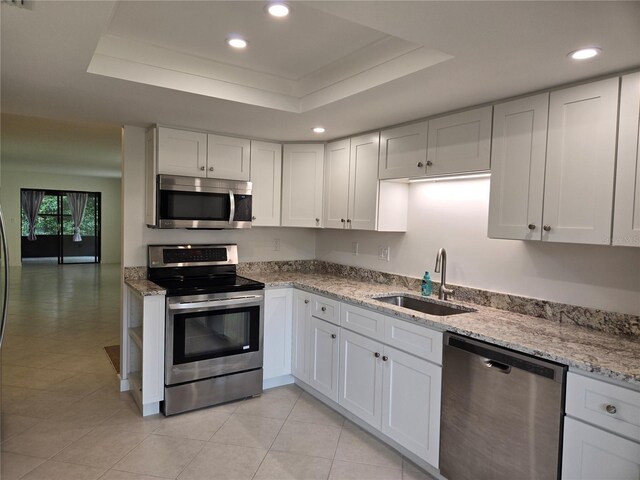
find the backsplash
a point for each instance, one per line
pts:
(609, 322)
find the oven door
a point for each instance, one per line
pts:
(212, 335)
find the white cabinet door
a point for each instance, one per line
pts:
(363, 184)
(324, 358)
(300, 335)
(337, 185)
(626, 217)
(302, 184)
(403, 151)
(411, 403)
(181, 152)
(593, 454)
(228, 157)
(277, 332)
(517, 168)
(360, 389)
(266, 177)
(460, 143)
(581, 146)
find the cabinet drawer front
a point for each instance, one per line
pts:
(326, 309)
(415, 339)
(609, 406)
(362, 321)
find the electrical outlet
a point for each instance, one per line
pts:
(354, 248)
(383, 253)
(276, 244)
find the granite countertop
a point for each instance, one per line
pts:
(614, 356)
(145, 287)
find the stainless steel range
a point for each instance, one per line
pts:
(214, 326)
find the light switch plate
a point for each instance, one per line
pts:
(384, 252)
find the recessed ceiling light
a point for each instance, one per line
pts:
(236, 42)
(278, 9)
(585, 53)
(318, 129)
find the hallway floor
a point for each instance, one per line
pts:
(64, 418)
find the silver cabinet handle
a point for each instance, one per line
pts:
(611, 409)
(211, 169)
(324, 309)
(420, 165)
(317, 220)
(348, 220)
(333, 335)
(377, 355)
(202, 168)
(531, 226)
(342, 220)
(306, 301)
(546, 228)
(385, 358)
(429, 163)
(253, 218)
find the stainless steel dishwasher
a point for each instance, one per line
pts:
(502, 413)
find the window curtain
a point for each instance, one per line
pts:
(77, 204)
(30, 202)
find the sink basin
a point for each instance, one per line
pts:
(423, 305)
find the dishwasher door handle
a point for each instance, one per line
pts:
(500, 367)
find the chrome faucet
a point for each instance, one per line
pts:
(441, 258)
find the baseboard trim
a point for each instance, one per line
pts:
(277, 381)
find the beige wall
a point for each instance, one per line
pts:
(13, 181)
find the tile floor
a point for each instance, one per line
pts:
(64, 418)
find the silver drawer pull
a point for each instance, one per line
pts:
(611, 409)
(324, 309)
(333, 335)
(306, 301)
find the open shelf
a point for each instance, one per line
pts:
(135, 333)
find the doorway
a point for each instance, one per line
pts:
(60, 227)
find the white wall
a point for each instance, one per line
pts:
(255, 244)
(453, 214)
(14, 180)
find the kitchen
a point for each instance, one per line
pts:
(450, 214)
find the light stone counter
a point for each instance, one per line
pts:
(614, 356)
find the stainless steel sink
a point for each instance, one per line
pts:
(423, 305)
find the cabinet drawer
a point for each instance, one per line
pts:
(600, 403)
(363, 321)
(326, 309)
(416, 339)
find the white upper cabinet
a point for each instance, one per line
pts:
(302, 185)
(626, 217)
(228, 157)
(197, 154)
(181, 152)
(336, 191)
(151, 166)
(517, 168)
(266, 177)
(403, 151)
(581, 147)
(353, 197)
(460, 143)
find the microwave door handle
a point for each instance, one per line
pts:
(232, 209)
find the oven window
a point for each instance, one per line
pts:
(175, 205)
(216, 333)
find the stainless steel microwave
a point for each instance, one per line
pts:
(205, 203)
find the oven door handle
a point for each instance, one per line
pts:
(223, 302)
(232, 208)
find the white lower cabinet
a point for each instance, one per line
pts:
(323, 357)
(594, 454)
(361, 377)
(300, 335)
(277, 332)
(411, 403)
(393, 391)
